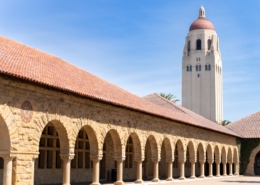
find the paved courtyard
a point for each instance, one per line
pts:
(233, 180)
(245, 180)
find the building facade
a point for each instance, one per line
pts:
(202, 70)
(60, 125)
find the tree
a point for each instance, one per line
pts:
(169, 97)
(225, 122)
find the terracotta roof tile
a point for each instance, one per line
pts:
(27, 63)
(187, 114)
(248, 127)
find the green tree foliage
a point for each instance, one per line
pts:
(169, 97)
(225, 122)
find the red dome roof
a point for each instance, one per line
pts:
(201, 23)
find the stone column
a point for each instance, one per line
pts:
(192, 169)
(217, 169)
(95, 174)
(155, 170)
(230, 169)
(8, 165)
(202, 173)
(210, 168)
(236, 168)
(224, 168)
(66, 158)
(139, 178)
(169, 162)
(182, 170)
(119, 161)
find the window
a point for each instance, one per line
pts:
(198, 75)
(49, 156)
(188, 46)
(198, 67)
(207, 67)
(129, 154)
(188, 68)
(82, 152)
(175, 163)
(209, 44)
(197, 59)
(198, 44)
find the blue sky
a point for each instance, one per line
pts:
(138, 45)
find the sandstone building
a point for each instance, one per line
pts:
(60, 124)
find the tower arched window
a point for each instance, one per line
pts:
(206, 67)
(198, 44)
(209, 67)
(197, 67)
(188, 68)
(209, 44)
(189, 46)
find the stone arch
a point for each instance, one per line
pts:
(210, 153)
(66, 147)
(138, 154)
(154, 146)
(169, 149)
(235, 156)
(250, 166)
(229, 155)
(223, 155)
(217, 154)
(93, 142)
(116, 142)
(5, 143)
(192, 153)
(201, 152)
(63, 137)
(181, 151)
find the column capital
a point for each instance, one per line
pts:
(8, 156)
(192, 161)
(139, 160)
(119, 159)
(210, 161)
(230, 162)
(156, 159)
(182, 160)
(95, 157)
(65, 157)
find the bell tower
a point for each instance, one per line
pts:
(202, 70)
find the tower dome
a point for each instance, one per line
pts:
(202, 22)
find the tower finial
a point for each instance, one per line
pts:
(202, 12)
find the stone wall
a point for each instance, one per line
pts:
(69, 113)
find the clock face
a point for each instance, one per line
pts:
(26, 111)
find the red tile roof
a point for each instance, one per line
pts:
(27, 63)
(194, 118)
(248, 127)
